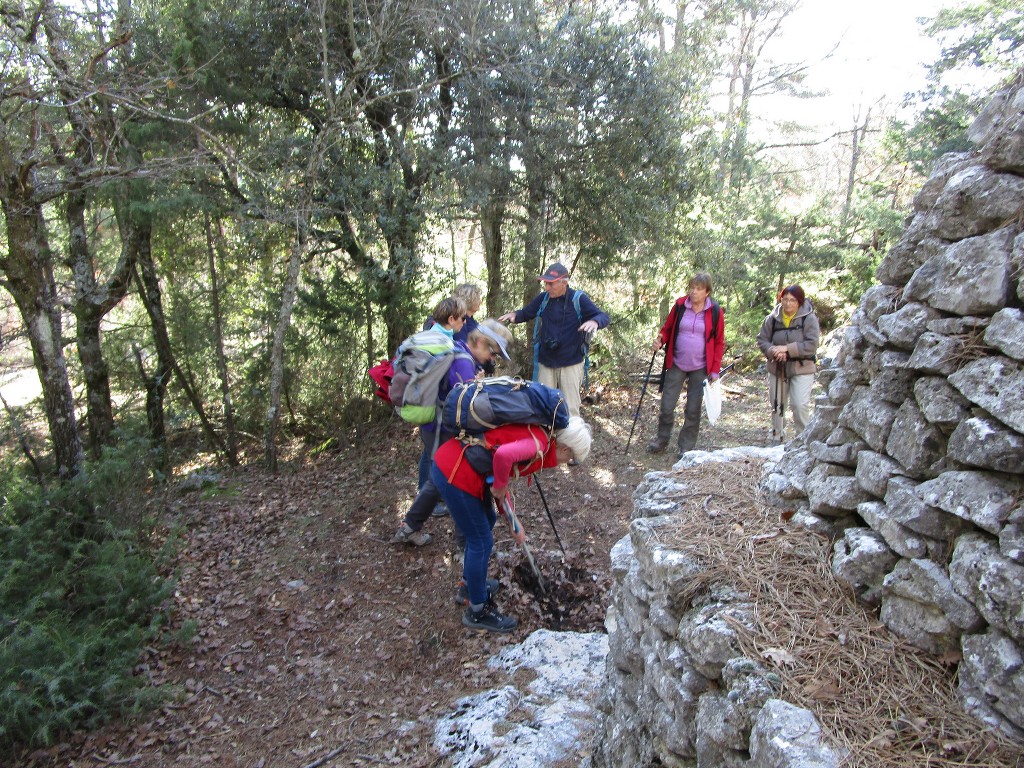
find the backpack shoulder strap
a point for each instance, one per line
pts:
(536, 336)
(576, 297)
(716, 319)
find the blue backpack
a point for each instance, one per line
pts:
(473, 407)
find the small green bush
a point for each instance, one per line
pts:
(79, 598)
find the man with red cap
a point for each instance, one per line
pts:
(565, 319)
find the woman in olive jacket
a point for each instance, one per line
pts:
(789, 341)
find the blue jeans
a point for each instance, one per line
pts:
(428, 438)
(476, 519)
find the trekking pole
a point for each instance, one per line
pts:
(779, 408)
(727, 368)
(544, 501)
(640, 402)
(517, 530)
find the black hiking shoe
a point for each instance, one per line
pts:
(488, 620)
(462, 593)
(657, 446)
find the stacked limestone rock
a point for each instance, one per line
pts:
(914, 458)
(679, 690)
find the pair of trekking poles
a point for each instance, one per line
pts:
(643, 391)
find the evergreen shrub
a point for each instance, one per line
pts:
(79, 599)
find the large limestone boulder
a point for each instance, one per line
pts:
(903, 541)
(916, 246)
(982, 498)
(785, 736)
(833, 490)
(991, 680)
(936, 353)
(726, 718)
(1006, 333)
(940, 402)
(910, 508)
(861, 559)
(999, 129)
(986, 443)
(870, 419)
(920, 605)
(874, 470)
(994, 383)
(969, 277)
(947, 165)
(991, 582)
(974, 201)
(915, 443)
(904, 326)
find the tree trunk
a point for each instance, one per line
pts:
(149, 291)
(533, 239)
(291, 285)
(856, 150)
(28, 267)
(222, 361)
(155, 385)
(91, 304)
(492, 215)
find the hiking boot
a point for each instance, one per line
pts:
(440, 511)
(462, 593)
(406, 535)
(488, 620)
(657, 446)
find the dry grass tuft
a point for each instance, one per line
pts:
(888, 703)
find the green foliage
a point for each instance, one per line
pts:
(988, 34)
(982, 44)
(79, 598)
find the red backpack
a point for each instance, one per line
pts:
(382, 374)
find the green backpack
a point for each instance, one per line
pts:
(420, 365)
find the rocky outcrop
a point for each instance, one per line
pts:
(919, 438)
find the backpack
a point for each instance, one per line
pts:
(420, 366)
(382, 373)
(473, 407)
(536, 337)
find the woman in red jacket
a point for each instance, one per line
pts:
(460, 473)
(694, 338)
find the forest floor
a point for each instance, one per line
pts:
(319, 643)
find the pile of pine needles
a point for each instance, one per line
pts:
(886, 702)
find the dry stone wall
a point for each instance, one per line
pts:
(679, 692)
(913, 462)
(914, 456)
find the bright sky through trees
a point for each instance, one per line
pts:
(880, 54)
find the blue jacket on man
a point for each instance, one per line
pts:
(561, 341)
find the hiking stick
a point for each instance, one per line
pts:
(779, 406)
(517, 530)
(643, 391)
(544, 501)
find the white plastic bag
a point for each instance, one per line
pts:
(713, 399)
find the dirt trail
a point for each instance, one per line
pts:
(318, 643)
